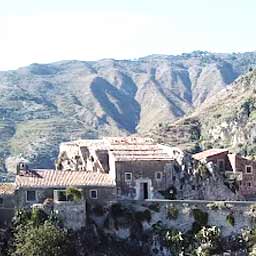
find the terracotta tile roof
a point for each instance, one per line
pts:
(54, 179)
(140, 152)
(7, 188)
(208, 153)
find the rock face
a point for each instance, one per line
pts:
(225, 120)
(43, 105)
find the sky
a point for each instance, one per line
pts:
(43, 31)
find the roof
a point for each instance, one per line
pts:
(130, 140)
(140, 152)
(54, 179)
(7, 188)
(208, 153)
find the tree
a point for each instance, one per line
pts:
(45, 240)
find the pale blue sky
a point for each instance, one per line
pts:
(51, 30)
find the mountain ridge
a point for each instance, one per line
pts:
(42, 105)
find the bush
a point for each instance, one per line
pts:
(230, 219)
(154, 207)
(172, 213)
(74, 194)
(141, 216)
(38, 216)
(117, 210)
(200, 217)
(169, 193)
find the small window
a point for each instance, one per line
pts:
(93, 194)
(249, 184)
(248, 169)
(128, 176)
(181, 187)
(31, 196)
(158, 176)
(193, 187)
(173, 178)
(1, 201)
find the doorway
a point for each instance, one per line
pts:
(144, 190)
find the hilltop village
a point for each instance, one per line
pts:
(129, 169)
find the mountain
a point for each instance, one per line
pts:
(42, 105)
(226, 120)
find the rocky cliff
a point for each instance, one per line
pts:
(225, 120)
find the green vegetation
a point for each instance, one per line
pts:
(74, 194)
(35, 233)
(169, 193)
(141, 216)
(154, 207)
(230, 219)
(172, 213)
(200, 217)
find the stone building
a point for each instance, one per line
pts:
(47, 189)
(140, 167)
(35, 186)
(241, 169)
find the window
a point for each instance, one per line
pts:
(93, 194)
(1, 201)
(193, 187)
(158, 176)
(248, 169)
(249, 184)
(31, 196)
(128, 177)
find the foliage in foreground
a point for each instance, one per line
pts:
(35, 233)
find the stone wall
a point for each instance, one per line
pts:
(242, 212)
(7, 209)
(73, 214)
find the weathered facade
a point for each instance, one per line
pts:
(234, 166)
(7, 202)
(138, 165)
(38, 185)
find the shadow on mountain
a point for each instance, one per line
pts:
(122, 108)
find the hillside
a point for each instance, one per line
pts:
(44, 104)
(226, 120)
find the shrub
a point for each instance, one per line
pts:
(117, 210)
(172, 213)
(169, 193)
(174, 240)
(200, 217)
(74, 194)
(230, 219)
(154, 207)
(208, 239)
(38, 216)
(141, 216)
